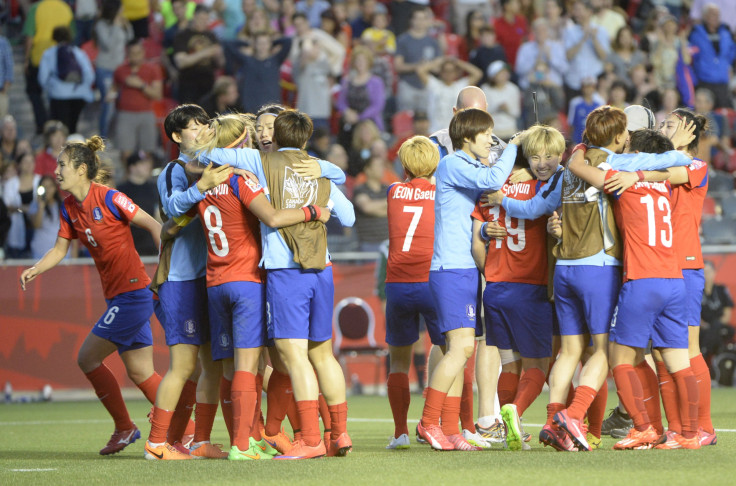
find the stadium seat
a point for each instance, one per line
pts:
(718, 231)
(354, 324)
(402, 124)
(728, 205)
(710, 207)
(719, 182)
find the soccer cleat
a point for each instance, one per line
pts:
(667, 441)
(557, 439)
(341, 446)
(460, 444)
(638, 440)
(206, 450)
(434, 436)
(692, 443)
(301, 450)
(400, 442)
(474, 438)
(574, 429)
(120, 439)
(419, 438)
(593, 441)
(180, 447)
(164, 452)
(252, 453)
(707, 438)
(514, 433)
(280, 441)
(617, 420)
(266, 447)
(496, 433)
(187, 440)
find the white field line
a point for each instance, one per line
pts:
(33, 470)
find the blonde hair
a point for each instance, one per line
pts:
(540, 138)
(419, 156)
(227, 131)
(361, 51)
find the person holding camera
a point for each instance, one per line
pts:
(45, 216)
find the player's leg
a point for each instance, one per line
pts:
(399, 396)
(207, 395)
(244, 395)
(280, 399)
(487, 369)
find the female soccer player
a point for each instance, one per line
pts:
(100, 216)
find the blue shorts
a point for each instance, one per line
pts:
(694, 285)
(181, 309)
(519, 317)
(126, 322)
(651, 308)
(585, 296)
(455, 293)
(237, 317)
(299, 304)
(405, 301)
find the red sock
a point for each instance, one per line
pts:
(433, 407)
(243, 395)
(149, 387)
(324, 413)
(108, 391)
(399, 398)
(552, 409)
(597, 411)
(255, 426)
(650, 387)
(584, 396)
(570, 396)
(508, 383)
(204, 417)
(160, 420)
(309, 418)
(226, 405)
(687, 393)
(702, 375)
(466, 399)
(277, 401)
(530, 386)
(450, 415)
(670, 400)
(293, 414)
(631, 395)
(339, 419)
(183, 412)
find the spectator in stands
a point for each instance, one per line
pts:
(369, 198)
(140, 187)
(19, 193)
(233, 16)
(727, 8)
(488, 51)
(641, 80)
(670, 102)
(361, 94)
(182, 16)
(256, 22)
(581, 106)
(258, 69)
(420, 126)
(359, 152)
(401, 13)
(223, 98)
(45, 216)
(550, 97)
(607, 18)
(137, 12)
(715, 314)
(714, 53)
(112, 32)
(365, 20)
(283, 23)
(558, 22)
(319, 144)
(475, 20)
(54, 138)
(8, 139)
(85, 13)
(312, 10)
(718, 133)
(414, 48)
(545, 50)
(6, 74)
(139, 84)
(41, 20)
(465, 14)
(197, 54)
(511, 29)
(453, 75)
(619, 94)
(340, 32)
(666, 49)
(338, 156)
(380, 38)
(66, 74)
(504, 100)
(586, 47)
(624, 52)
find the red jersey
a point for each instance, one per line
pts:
(102, 224)
(232, 232)
(644, 218)
(521, 257)
(687, 207)
(133, 99)
(410, 230)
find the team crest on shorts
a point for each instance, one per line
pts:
(190, 327)
(97, 214)
(224, 340)
(470, 311)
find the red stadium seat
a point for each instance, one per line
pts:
(402, 124)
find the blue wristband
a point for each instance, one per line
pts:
(483, 235)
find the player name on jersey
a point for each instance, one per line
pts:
(221, 190)
(657, 186)
(412, 193)
(514, 190)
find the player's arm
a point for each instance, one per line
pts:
(311, 169)
(478, 246)
(240, 158)
(47, 262)
(621, 181)
(144, 220)
(341, 208)
(482, 177)
(592, 175)
(543, 202)
(178, 196)
(278, 218)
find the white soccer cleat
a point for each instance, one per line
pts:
(476, 439)
(400, 442)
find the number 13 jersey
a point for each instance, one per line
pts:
(410, 230)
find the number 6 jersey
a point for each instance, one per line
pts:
(410, 230)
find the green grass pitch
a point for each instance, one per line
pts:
(57, 443)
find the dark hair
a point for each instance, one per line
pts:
(201, 8)
(50, 128)
(109, 10)
(468, 123)
(468, 21)
(700, 122)
(299, 15)
(273, 108)
(603, 124)
(330, 15)
(135, 41)
(178, 119)
(649, 141)
(61, 35)
(620, 84)
(487, 28)
(57, 196)
(292, 128)
(86, 153)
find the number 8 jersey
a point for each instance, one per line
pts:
(410, 230)
(644, 218)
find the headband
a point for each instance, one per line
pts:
(240, 141)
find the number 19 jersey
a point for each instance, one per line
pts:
(232, 232)
(410, 230)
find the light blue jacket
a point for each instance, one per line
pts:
(57, 89)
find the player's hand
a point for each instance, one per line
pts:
(684, 134)
(495, 230)
(28, 275)
(491, 198)
(620, 181)
(324, 214)
(554, 226)
(246, 174)
(521, 175)
(308, 169)
(213, 177)
(517, 138)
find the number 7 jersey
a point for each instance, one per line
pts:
(410, 230)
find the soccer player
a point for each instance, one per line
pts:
(181, 307)
(264, 125)
(411, 239)
(100, 218)
(518, 313)
(453, 278)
